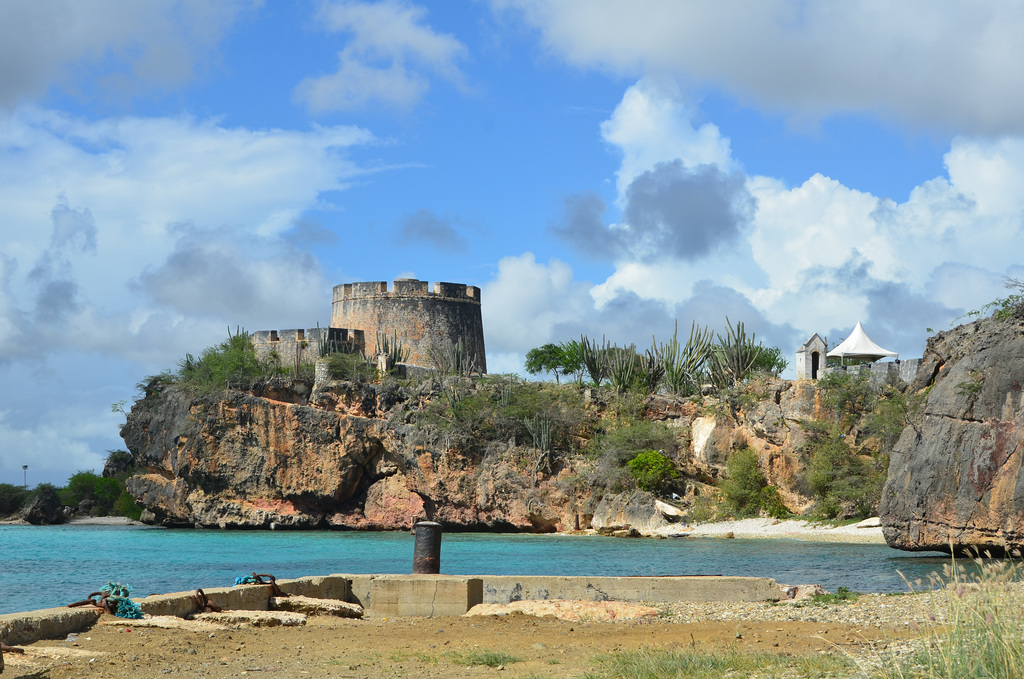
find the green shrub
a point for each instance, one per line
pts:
(12, 498)
(888, 418)
(232, 362)
(352, 367)
(126, 505)
(653, 471)
(839, 478)
(89, 486)
(744, 486)
(846, 395)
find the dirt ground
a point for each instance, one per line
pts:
(407, 647)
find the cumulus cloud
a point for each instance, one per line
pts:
(654, 123)
(121, 46)
(526, 299)
(677, 212)
(671, 212)
(924, 63)
(425, 227)
(529, 303)
(227, 274)
(390, 58)
(815, 257)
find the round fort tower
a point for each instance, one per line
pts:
(423, 320)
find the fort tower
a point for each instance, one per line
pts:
(423, 320)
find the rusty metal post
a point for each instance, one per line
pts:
(426, 556)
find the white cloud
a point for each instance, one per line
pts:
(921, 62)
(157, 43)
(389, 58)
(127, 243)
(816, 257)
(653, 124)
(527, 299)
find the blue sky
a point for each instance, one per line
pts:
(170, 169)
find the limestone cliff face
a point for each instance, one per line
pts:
(349, 456)
(344, 457)
(955, 475)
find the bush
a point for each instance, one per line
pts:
(846, 395)
(126, 505)
(351, 367)
(839, 479)
(233, 361)
(888, 418)
(12, 498)
(744, 482)
(87, 486)
(653, 471)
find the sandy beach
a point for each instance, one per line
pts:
(867, 531)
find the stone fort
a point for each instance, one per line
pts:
(424, 321)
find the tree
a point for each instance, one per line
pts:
(653, 471)
(770, 360)
(548, 358)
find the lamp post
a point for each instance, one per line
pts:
(24, 468)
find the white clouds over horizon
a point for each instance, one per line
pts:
(136, 240)
(816, 257)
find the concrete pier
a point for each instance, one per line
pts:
(410, 595)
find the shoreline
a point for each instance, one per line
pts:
(868, 531)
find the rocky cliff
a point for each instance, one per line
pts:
(360, 456)
(955, 475)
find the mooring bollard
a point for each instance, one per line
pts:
(426, 556)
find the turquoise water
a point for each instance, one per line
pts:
(51, 566)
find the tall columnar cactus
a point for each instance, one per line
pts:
(685, 365)
(733, 357)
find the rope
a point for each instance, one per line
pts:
(113, 598)
(258, 579)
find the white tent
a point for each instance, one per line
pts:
(858, 345)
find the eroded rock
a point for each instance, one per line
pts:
(955, 478)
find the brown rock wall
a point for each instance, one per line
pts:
(955, 477)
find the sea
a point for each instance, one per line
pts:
(51, 566)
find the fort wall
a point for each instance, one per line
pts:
(422, 319)
(303, 345)
(880, 373)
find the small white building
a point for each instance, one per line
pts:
(810, 358)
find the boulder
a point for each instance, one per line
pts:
(955, 479)
(45, 508)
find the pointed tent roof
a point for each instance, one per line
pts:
(859, 345)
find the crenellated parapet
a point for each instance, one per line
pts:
(423, 319)
(406, 287)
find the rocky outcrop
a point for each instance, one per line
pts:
(360, 456)
(45, 508)
(345, 457)
(955, 475)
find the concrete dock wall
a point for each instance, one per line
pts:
(409, 595)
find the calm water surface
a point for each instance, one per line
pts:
(45, 566)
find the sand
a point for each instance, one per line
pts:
(867, 531)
